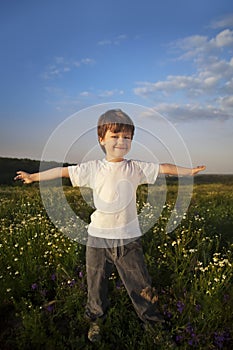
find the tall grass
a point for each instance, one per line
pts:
(43, 282)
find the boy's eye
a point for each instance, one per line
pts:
(124, 137)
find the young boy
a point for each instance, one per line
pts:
(114, 232)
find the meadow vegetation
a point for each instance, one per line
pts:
(43, 281)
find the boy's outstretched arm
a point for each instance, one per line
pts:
(172, 169)
(42, 176)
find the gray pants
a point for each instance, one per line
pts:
(129, 261)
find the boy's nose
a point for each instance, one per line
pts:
(121, 140)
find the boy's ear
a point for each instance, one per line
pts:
(101, 141)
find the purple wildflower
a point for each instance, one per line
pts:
(192, 341)
(180, 306)
(119, 284)
(34, 286)
(43, 292)
(220, 338)
(80, 275)
(194, 338)
(189, 329)
(53, 277)
(179, 338)
(167, 313)
(198, 307)
(50, 308)
(72, 282)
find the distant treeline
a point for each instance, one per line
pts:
(9, 167)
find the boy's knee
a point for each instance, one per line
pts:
(150, 294)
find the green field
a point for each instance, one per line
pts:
(43, 282)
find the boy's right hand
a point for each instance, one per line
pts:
(24, 177)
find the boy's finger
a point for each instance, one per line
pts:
(19, 176)
(202, 167)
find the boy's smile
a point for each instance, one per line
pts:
(116, 145)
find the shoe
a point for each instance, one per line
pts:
(94, 332)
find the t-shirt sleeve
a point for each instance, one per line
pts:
(148, 172)
(81, 175)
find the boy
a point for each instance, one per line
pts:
(114, 232)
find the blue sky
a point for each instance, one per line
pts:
(59, 57)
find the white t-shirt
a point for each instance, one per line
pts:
(114, 186)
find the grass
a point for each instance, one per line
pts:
(43, 281)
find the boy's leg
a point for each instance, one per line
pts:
(134, 274)
(98, 271)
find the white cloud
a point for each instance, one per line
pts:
(226, 21)
(196, 45)
(59, 60)
(223, 39)
(208, 92)
(226, 103)
(192, 112)
(102, 94)
(106, 93)
(110, 93)
(87, 61)
(171, 85)
(104, 42)
(62, 65)
(85, 94)
(114, 41)
(119, 39)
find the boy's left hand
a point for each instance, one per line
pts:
(197, 169)
(24, 177)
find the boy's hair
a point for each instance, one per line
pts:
(114, 120)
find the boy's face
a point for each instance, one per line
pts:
(116, 144)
